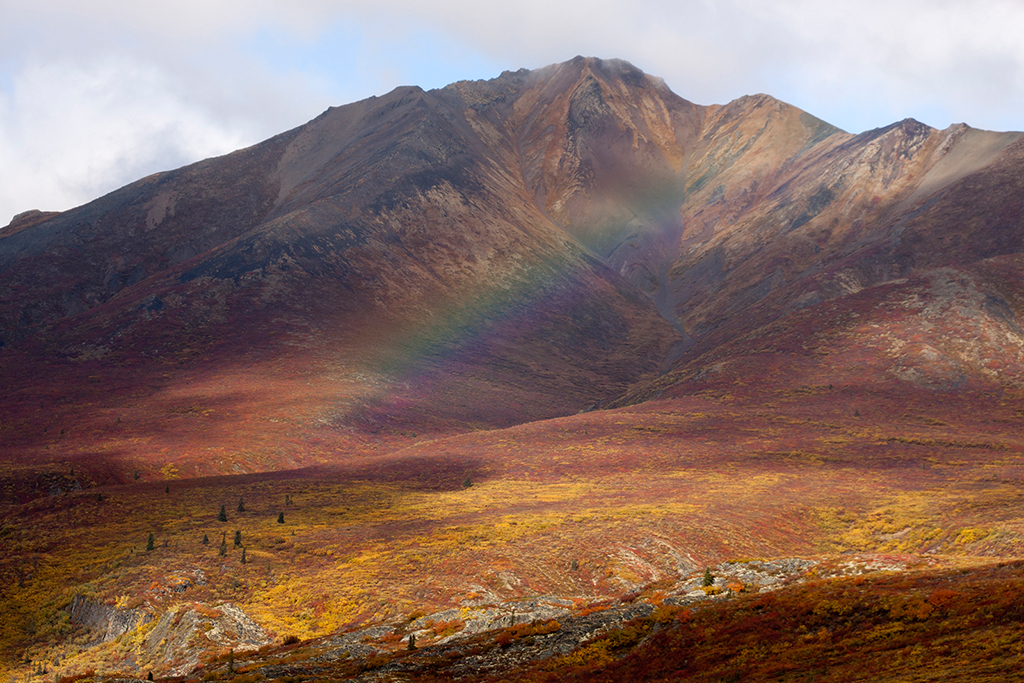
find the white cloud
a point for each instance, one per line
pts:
(961, 60)
(70, 132)
(92, 100)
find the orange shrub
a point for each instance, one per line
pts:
(942, 597)
(443, 629)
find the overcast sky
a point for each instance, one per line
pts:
(97, 93)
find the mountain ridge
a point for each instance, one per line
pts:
(408, 231)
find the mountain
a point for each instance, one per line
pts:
(390, 249)
(547, 344)
(487, 254)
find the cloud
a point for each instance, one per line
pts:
(959, 61)
(95, 93)
(91, 99)
(71, 131)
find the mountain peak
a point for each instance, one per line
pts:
(605, 69)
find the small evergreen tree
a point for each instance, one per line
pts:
(167, 488)
(243, 555)
(206, 540)
(709, 578)
(280, 518)
(412, 641)
(223, 516)
(238, 538)
(241, 505)
(466, 483)
(223, 548)
(150, 543)
(149, 676)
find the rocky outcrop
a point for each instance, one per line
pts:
(180, 638)
(106, 621)
(184, 634)
(505, 615)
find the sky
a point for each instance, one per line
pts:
(97, 93)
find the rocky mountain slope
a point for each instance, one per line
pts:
(497, 252)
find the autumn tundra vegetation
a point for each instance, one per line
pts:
(552, 377)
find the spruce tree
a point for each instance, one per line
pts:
(167, 488)
(243, 555)
(280, 518)
(150, 543)
(223, 516)
(238, 538)
(206, 540)
(241, 505)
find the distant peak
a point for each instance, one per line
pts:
(608, 68)
(26, 215)
(27, 219)
(758, 99)
(741, 106)
(912, 123)
(907, 125)
(405, 91)
(614, 64)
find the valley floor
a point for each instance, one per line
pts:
(582, 511)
